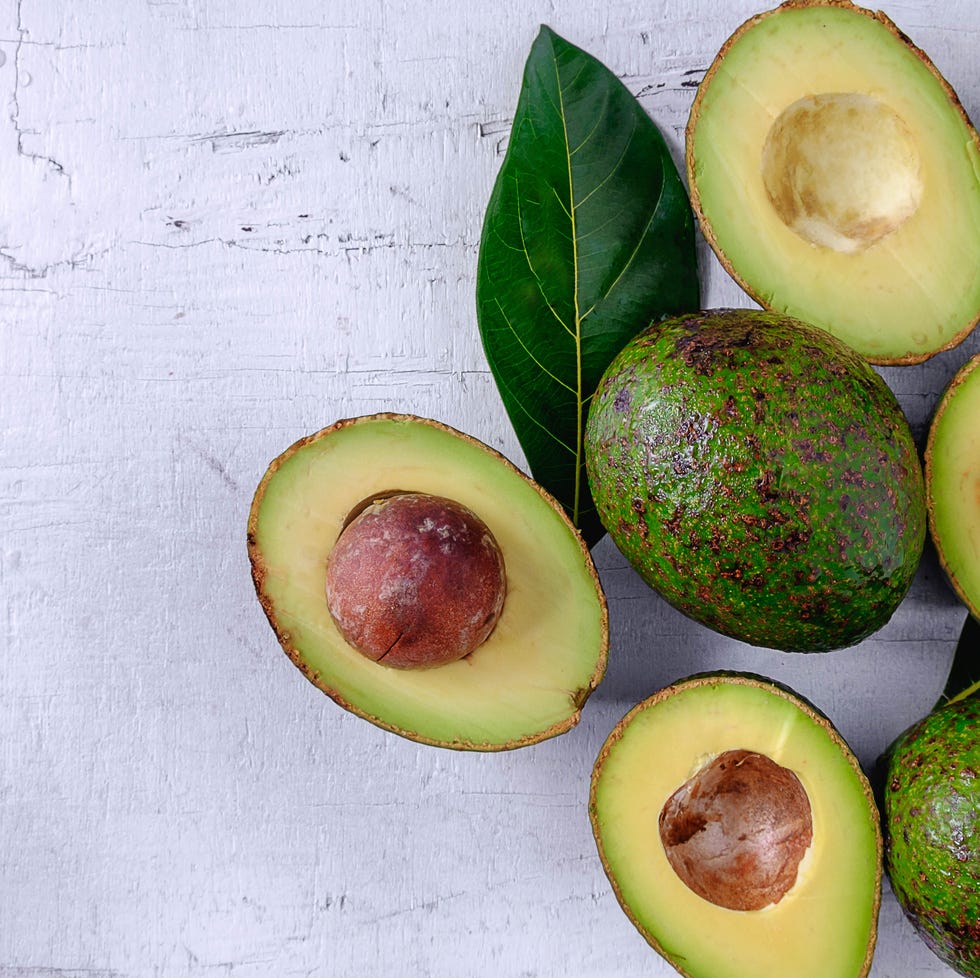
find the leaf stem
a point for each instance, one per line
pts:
(969, 691)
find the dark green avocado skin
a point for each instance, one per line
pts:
(932, 830)
(759, 475)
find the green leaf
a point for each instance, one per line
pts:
(588, 237)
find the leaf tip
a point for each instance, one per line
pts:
(545, 33)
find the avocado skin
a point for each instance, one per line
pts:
(761, 476)
(932, 831)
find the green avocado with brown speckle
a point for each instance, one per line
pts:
(761, 476)
(932, 830)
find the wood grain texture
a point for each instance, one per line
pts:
(224, 225)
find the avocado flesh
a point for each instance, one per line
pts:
(932, 830)
(953, 483)
(907, 294)
(760, 476)
(528, 680)
(826, 925)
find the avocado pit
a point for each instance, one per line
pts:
(415, 580)
(842, 170)
(736, 832)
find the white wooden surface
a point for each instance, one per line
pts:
(223, 225)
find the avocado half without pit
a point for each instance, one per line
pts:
(426, 584)
(835, 174)
(739, 833)
(952, 465)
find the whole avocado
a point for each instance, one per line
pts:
(932, 830)
(760, 475)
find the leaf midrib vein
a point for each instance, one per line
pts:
(575, 300)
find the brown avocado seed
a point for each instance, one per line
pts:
(415, 580)
(736, 831)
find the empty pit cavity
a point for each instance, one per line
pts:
(842, 170)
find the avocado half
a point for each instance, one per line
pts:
(761, 476)
(952, 466)
(528, 680)
(825, 924)
(837, 177)
(932, 830)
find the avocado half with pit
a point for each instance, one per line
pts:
(837, 177)
(739, 833)
(373, 540)
(760, 476)
(952, 464)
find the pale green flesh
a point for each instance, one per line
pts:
(527, 680)
(953, 484)
(826, 924)
(915, 291)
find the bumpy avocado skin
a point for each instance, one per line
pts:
(760, 476)
(932, 831)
